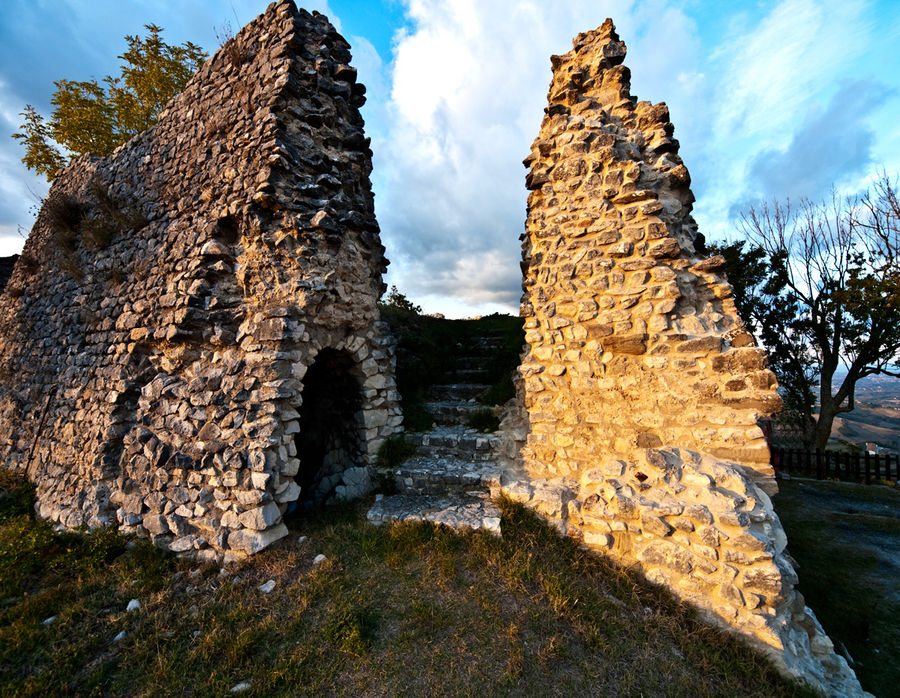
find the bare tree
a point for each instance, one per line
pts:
(840, 271)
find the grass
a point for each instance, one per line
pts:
(484, 420)
(402, 610)
(845, 538)
(394, 450)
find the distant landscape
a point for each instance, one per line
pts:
(876, 417)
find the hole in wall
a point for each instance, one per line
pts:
(227, 229)
(330, 439)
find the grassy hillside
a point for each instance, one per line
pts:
(405, 610)
(846, 540)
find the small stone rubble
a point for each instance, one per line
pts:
(461, 514)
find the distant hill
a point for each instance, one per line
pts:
(880, 391)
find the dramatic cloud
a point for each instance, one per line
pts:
(776, 98)
(766, 127)
(831, 146)
(469, 86)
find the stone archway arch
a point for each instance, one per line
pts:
(330, 443)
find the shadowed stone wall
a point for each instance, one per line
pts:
(641, 389)
(155, 334)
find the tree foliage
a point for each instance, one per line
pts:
(96, 117)
(396, 300)
(774, 314)
(820, 286)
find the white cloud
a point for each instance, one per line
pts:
(832, 146)
(775, 79)
(769, 73)
(469, 86)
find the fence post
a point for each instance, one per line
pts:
(868, 460)
(819, 474)
(807, 469)
(877, 467)
(856, 471)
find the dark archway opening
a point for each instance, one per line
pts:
(330, 439)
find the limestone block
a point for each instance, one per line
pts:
(155, 524)
(290, 492)
(251, 542)
(260, 517)
(598, 540)
(655, 525)
(668, 555)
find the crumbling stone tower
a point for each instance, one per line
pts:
(641, 387)
(625, 319)
(190, 342)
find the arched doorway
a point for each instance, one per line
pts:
(330, 439)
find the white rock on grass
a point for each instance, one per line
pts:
(301, 540)
(120, 636)
(267, 587)
(133, 605)
(240, 687)
(50, 621)
(318, 560)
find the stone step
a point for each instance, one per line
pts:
(487, 341)
(459, 513)
(472, 362)
(444, 475)
(457, 441)
(452, 412)
(468, 375)
(456, 391)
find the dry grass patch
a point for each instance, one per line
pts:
(402, 610)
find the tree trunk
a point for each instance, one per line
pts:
(824, 423)
(828, 406)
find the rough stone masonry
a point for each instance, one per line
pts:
(641, 388)
(187, 307)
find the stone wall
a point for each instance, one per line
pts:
(155, 334)
(641, 389)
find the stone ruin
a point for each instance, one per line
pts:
(641, 389)
(191, 348)
(190, 342)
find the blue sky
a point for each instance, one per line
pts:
(769, 99)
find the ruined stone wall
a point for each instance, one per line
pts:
(617, 300)
(641, 388)
(155, 334)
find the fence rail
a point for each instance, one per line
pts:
(830, 464)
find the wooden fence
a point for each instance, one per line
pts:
(832, 464)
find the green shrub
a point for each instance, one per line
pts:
(484, 420)
(16, 495)
(416, 416)
(394, 450)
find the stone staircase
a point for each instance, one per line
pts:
(450, 479)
